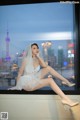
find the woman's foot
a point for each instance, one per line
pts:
(69, 103)
(68, 84)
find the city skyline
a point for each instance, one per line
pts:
(35, 23)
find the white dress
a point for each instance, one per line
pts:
(28, 81)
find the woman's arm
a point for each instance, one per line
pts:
(41, 61)
(21, 70)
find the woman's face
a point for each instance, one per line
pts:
(35, 49)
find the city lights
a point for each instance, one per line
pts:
(46, 44)
(17, 53)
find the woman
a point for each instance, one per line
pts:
(31, 77)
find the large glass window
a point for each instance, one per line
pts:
(51, 25)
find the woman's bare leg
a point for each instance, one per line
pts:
(50, 82)
(50, 70)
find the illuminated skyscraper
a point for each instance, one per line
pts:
(7, 46)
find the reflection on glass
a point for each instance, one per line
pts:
(51, 28)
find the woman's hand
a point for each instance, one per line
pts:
(38, 54)
(41, 61)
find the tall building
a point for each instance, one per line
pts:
(51, 57)
(60, 56)
(7, 46)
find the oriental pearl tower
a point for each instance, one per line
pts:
(7, 46)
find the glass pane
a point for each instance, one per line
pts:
(51, 25)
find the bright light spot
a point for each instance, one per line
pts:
(72, 55)
(52, 36)
(46, 44)
(65, 63)
(69, 56)
(17, 53)
(69, 51)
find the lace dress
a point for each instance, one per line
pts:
(28, 81)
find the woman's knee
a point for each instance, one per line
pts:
(50, 80)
